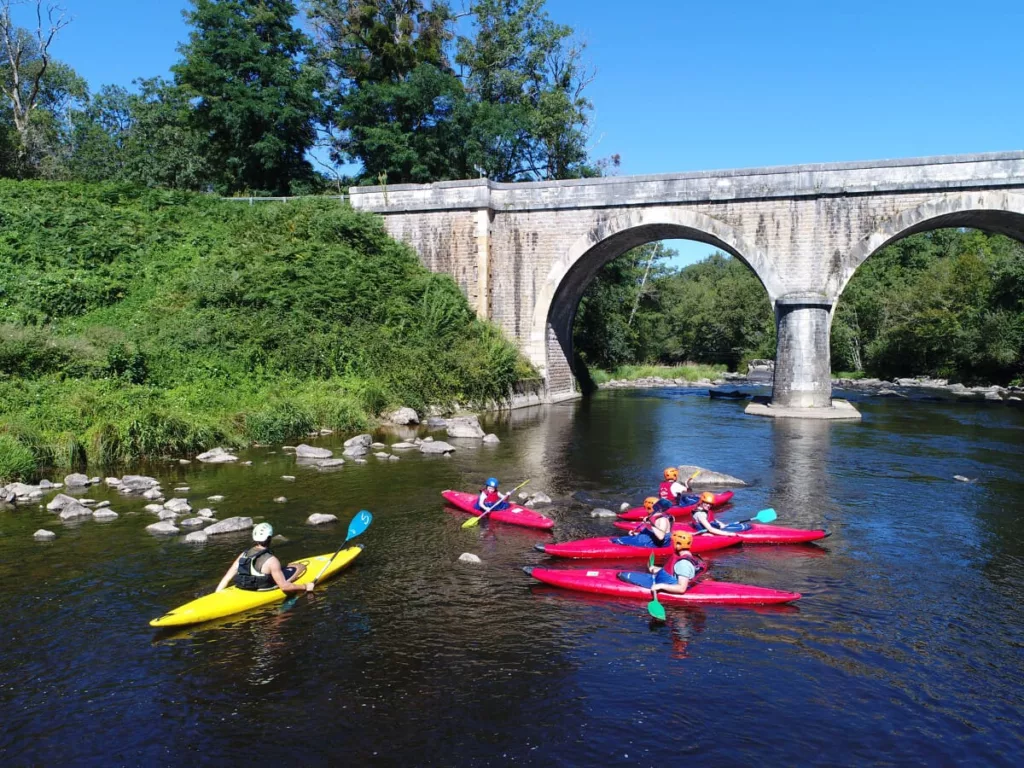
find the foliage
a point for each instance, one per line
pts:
(149, 323)
(254, 93)
(689, 372)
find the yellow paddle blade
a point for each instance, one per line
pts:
(471, 522)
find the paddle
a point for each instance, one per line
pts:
(476, 520)
(359, 524)
(764, 516)
(656, 609)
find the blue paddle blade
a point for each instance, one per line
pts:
(359, 524)
(766, 516)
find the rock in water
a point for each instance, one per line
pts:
(44, 535)
(469, 557)
(77, 481)
(602, 512)
(104, 514)
(624, 506)
(196, 537)
(280, 500)
(216, 456)
(963, 479)
(289, 478)
(539, 500)
(330, 463)
(58, 502)
(465, 427)
(320, 519)
(403, 446)
(230, 525)
(492, 439)
(355, 450)
(364, 440)
(155, 508)
(162, 529)
(215, 499)
(152, 494)
(193, 522)
(112, 482)
(708, 477)
(181, 506)
(137, 483)
(436, 447)
(74, 511)
(404, 416)
(207, 513)
(309, 452)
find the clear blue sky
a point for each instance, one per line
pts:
(686, 85)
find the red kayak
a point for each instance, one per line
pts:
(514, 515)
(639, 513)
(706, 591)
(605, 548)
(757, 533)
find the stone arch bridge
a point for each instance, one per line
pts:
(524, 253)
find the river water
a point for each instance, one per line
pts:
(906, 649)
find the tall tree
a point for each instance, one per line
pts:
(255, 90)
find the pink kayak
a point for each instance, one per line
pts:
(605, 548)
(514, 515)
(639, 513)
(758, 533)
(706, 591)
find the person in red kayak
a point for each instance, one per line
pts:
(679, 570)
(258, 568)
(704, 519)
(655, 531)
(674, 491)
(490, 499)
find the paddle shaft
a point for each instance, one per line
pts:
(500, 500)
(352, 533)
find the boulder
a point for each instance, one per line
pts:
(465, 427)
(167, 514)
(602, 512)
(491, 439)
(137, 483)
(382, 455)
(216, 456)
(215, 498)
(162, 529)
(75, 511)
(181, 506)
(46, 485)
(424, 440)
(104, 514)
(330, 464)
(355, 451)
(77, 480)
(196, 537)
(230, 525)
(310, 452)
(403, 446)
(436, 422)
(193, 522)
(469, 557)
(364, 440)
(58, 502)
(320, 519)
(23, 491)
(207, 513)
(152, 494)
(154, 508)
(539, 500)
(378, 446)
(403, 416)
(44, 535)
(994, 396)
(87, 502)
(439, 447)
(708, 477)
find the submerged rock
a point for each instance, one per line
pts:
(469, 557)
(310, 452)
(539, 500)
(230, 525)
(289, 478)
(330, 464)
(321, 519)
(44, 535)
(162, 529)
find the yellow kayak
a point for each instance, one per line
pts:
(233, 600)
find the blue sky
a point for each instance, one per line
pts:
(686, 85)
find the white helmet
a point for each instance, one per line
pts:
(262, 532)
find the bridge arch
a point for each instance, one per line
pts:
(558, 298)
(995, 212)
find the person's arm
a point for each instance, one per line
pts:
(481, 500)
(662, 530)
(282, 583)
(702, 517)
(229, 575)
(678, 588)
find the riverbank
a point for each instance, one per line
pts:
(138, 324)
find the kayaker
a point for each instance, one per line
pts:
(704, 519)
(489, 498)
(258, 567)
(681, 567)
(672, 490)
(655, 531)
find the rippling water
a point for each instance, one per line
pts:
(907, 648)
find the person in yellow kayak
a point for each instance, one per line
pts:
(678, 572)
(704, 519)
(656, 528)
(258, 568)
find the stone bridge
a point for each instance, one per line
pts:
(524, 253)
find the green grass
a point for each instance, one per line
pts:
(139, 323)
(689, 372)
(849, 375)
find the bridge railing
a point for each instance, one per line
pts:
(254, 200)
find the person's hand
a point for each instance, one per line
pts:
(652, 569)
(309, 586)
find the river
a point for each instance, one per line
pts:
(907, 648)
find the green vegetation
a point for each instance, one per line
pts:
(948, 303)
(689, 372)
(140, 323)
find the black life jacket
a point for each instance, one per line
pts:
(249, 564)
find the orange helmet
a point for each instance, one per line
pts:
(682, 539)
(672, 474)
(649, 503)
(707, 498)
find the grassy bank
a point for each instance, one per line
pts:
(690, 372)
(139, 323)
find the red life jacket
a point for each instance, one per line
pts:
(490, 498)
(648, 525)
(665, 491)
(670, 563)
